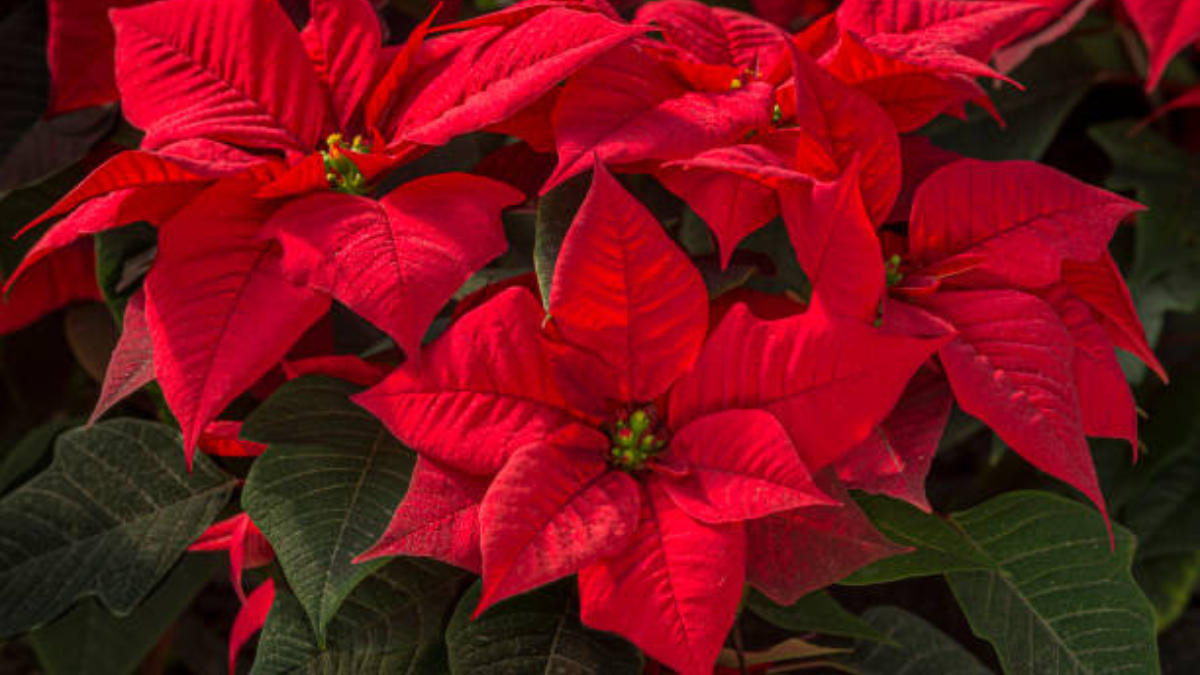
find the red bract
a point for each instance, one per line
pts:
(1012, 257)
(1167, 27)
(51, 284)
(240, 160)
(613, 439)
(728, 115)
(79, 51)
(917, 58)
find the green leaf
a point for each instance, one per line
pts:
(537, 632)
(24, 457)
(324, 490)
(914, 646)
(555, 212)
(1055, 82)
(1056, 598)
(1165, 275)
(1169, 582)
(816, 612)
(108, 518)
(938, 545)
(123, 257)
(89, 640)
(20, 207)
(391, 624)
(51, 145)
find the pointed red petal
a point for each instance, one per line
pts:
(674, 591)
(741, 465)
(220, 311)
(802, 369)
(51, 283)
(1106, 404)
(1100, 285)
(625, 292)
(193, 68)
(343, 41)
(629, 107)
(555, 508)
(895, 459)
(792, 554)
(378, 106)
(716, 35)
(153, 204)
(80, 53)
(1010, 366)
(836, 245)
(131, 169)
(851, 128)
(398, 260)
(439, 518)
(936, 33)
(250, 619)
(912, 95)
(131, 365)
(480, 391)
(733, 187)
(1167, 27)
(1025, 219)
(498, 72)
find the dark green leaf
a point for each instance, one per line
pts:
(938, 545)
(391, 624)
(816, 612)
(325, 489)
(123, 256)
(914, 646)
(108, 518)
(20, 207)
(1057, 599)
(23, 458)
(538, 632)
(51, 145)
(89, 640)
(1168, 582)
(1165, 275)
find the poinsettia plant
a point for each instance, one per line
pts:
(576, 337)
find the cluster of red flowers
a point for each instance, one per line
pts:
(616, 422)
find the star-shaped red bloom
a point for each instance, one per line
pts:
(618, 440)
(263, 148)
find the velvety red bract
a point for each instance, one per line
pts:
(394, 260)
(131, 365)
(218, 122)
(895, 459)
(221, 310)
(631, 107)
(245, 543)
(1166, 27)
(79, 51)
(66, 277)
(1022, 218)
(1032, 356)
(943, 35)
(610, 439)
(496, 71)
(250, 619)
